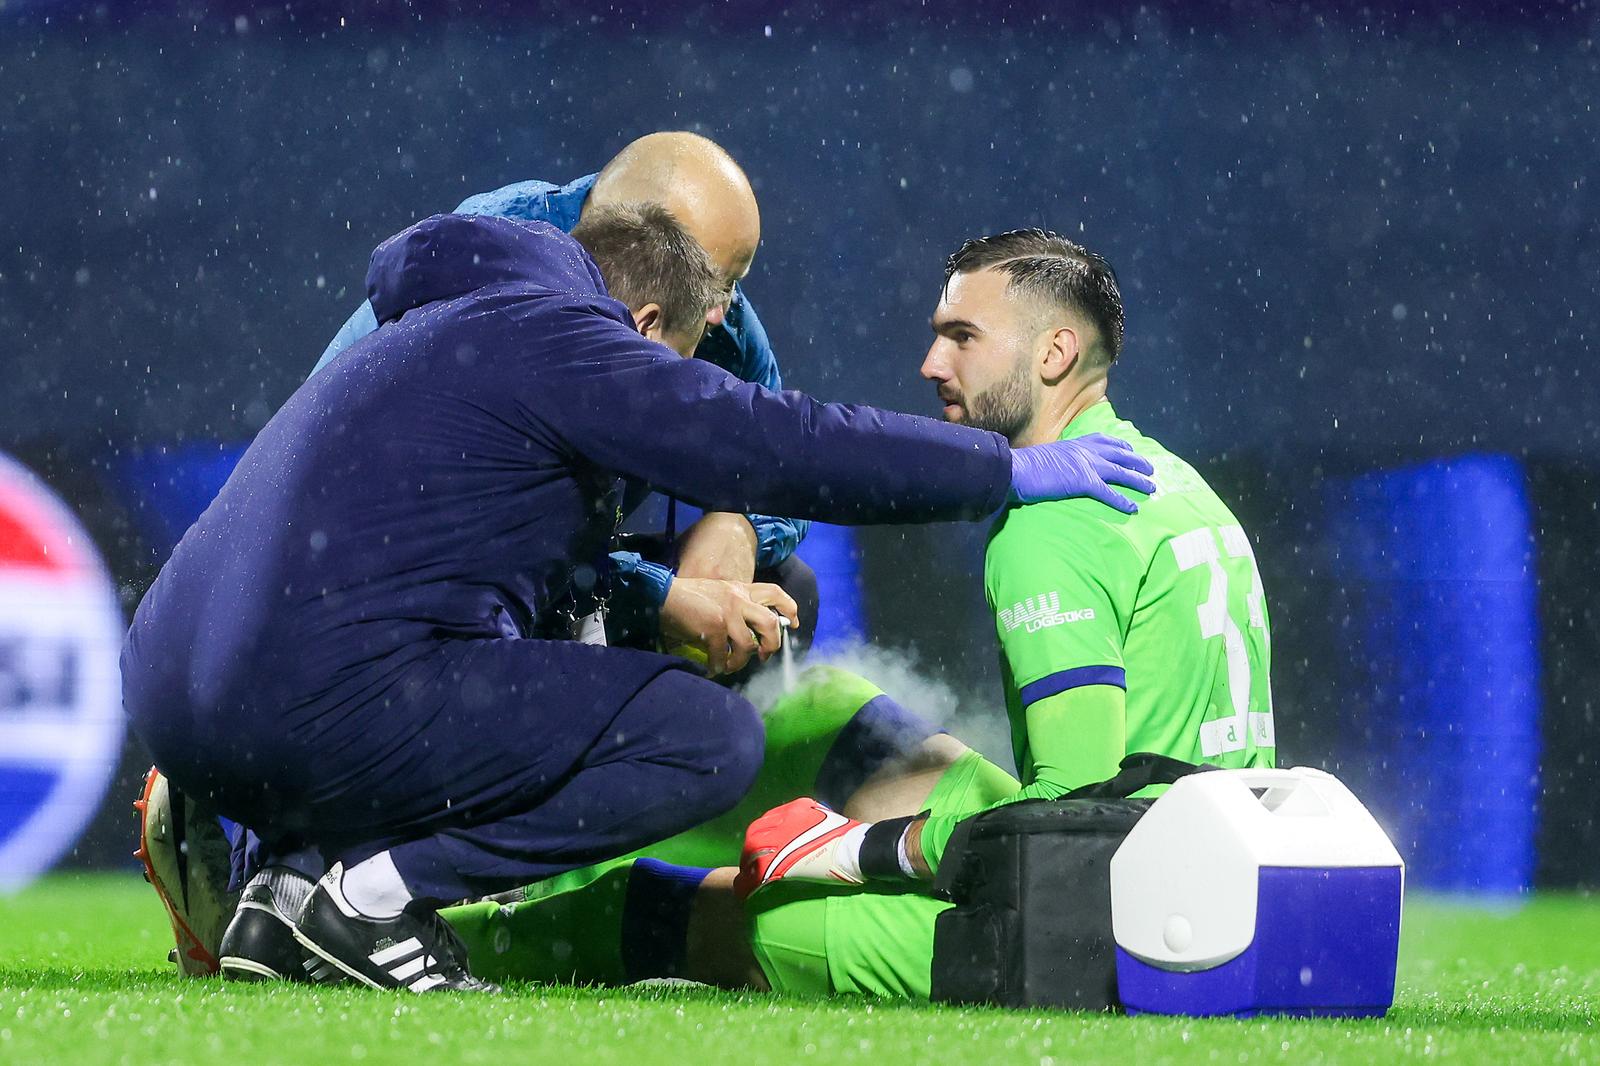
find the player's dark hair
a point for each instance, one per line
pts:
(1049, 267)
(646, 256)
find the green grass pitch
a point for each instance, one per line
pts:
(83, 980)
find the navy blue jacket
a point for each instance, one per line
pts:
(452, 475)
(739, 345)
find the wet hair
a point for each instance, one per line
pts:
(646, 256)
(1050, 268)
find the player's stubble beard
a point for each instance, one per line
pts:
(1006, 407)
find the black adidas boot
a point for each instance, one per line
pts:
(260, 945)
(416, 951)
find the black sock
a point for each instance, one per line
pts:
(880, 849)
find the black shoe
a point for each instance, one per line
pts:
(417, 951)
(260, 945)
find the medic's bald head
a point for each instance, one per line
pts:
(695, 179)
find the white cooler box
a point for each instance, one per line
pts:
(1251, 892)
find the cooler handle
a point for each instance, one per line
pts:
(1280, 785)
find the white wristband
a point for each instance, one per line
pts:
(902, 855)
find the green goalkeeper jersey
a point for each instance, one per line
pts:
(1165, 604)
(1126, 633)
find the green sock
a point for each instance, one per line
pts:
(629, 923)
(569, 932)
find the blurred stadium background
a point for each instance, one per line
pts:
(1358, 249)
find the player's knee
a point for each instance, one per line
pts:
(821, 702)
(882, 736)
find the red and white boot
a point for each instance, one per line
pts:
(800, 841)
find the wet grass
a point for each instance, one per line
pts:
(83, 980)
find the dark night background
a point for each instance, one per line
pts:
(1348, 239)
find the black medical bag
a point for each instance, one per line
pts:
(1031, 883)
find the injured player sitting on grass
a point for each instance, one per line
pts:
(1118, 633)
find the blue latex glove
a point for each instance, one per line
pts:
(1083, 466)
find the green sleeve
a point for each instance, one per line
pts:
(1061, 581)
(1076, 737)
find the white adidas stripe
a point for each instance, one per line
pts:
(396, 951)
(425, 982)
(407, 970)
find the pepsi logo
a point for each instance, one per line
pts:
(60, 688)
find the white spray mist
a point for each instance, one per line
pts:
(979, 723)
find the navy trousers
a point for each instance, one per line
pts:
(680, 752)
(483, 766)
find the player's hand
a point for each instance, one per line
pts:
(1084, 466)
(727, 620)
(800, 841)
(721, 545)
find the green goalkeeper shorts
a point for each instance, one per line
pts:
(822, 940)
